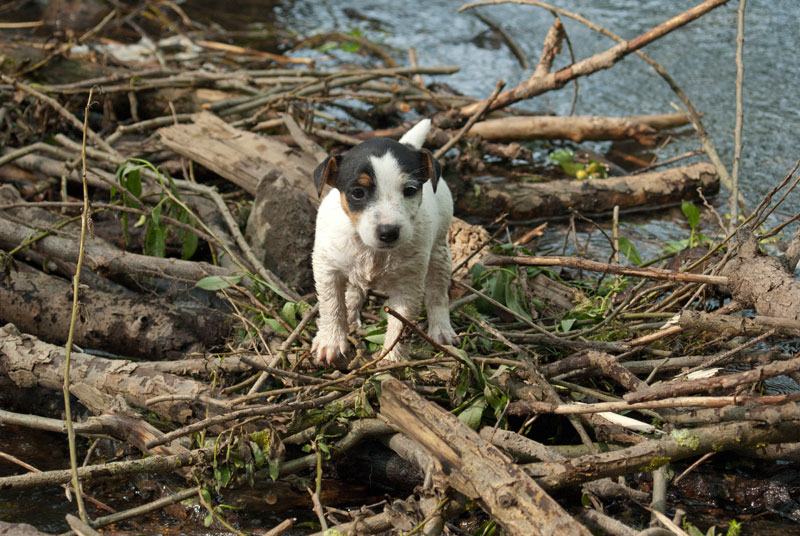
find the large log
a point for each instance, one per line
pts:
(475, 467)
(524, 201)
(27, 361)
(41, 305)
(643, 128)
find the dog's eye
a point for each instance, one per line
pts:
(408, 191)
(358, 193)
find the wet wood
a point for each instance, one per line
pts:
(27, 362)
(476, 468)
(39, 304)
(642, 128)
(524, 201)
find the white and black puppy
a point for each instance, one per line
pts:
(382, 227)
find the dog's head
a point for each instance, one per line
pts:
(380, 183)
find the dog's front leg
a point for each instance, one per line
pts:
(331, 339)
(436, 299)
(354, 298)
(407, 302)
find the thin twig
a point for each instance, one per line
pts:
(477, 115)
(737, 133)
(85, 226)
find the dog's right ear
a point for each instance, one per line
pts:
(327, 173)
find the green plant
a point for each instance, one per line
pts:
(566, 159)
(734, 529)
(502, 285)
(692, 214)
(129, 177)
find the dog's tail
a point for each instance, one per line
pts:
(416, 136)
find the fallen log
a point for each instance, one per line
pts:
(524, 201)
(475, 467)
(643, 128)
(27, 362)
(41, 305)
(105, 260)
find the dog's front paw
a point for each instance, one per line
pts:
(327, 347)
(443, 334)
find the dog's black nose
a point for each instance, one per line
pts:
(388, 233)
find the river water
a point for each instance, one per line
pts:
(700, 56)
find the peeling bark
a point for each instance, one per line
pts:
(537, 200)
(42, 305)
(28, 361)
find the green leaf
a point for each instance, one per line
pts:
(223, 474)
(627, 248)
(134, 181)
(274, 469)
(472, 414)
(206, 494)
(216, 282)
(289, 313)
(208, 519)
(562, 156)
(566, 324)
(691, 212)
(155, 241)
(376, 336)
(189, 245)
(258, 454)
(276, 326)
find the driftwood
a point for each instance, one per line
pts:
(104, 260)
(28, 361)
(474, 467)
(642, 128)
(524, 201)
(41, 305)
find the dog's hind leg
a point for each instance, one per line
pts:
(437, 300)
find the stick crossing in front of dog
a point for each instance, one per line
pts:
(383, 227)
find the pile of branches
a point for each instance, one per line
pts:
(204, 337)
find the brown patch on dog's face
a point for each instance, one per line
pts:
(365, 180)
(354, 215)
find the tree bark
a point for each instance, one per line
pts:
(762, 282)
(42, 305)
(525, 201)
(643, 128)
(28, 361)
(242, 157)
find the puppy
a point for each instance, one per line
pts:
(383, 227)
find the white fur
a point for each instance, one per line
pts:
(348, 261)
(416, 136)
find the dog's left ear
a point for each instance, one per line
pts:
(431, 168)
(327, 173)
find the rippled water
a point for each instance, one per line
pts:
(700, 56)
